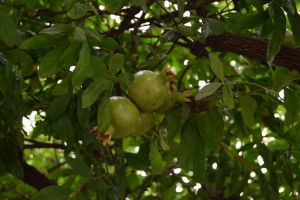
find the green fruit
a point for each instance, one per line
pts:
(124, 117)
(147, 90)
(169, 102)
(146, 123)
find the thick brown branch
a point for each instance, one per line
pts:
(44, 145)
(253, 48)
(35, 178)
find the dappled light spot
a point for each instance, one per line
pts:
(179, 187)
(177, 170)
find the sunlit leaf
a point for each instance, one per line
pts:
(208, 90)
(116, 63)
(157, 163)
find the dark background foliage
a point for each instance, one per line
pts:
(60, 61)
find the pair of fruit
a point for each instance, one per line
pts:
(149, 93)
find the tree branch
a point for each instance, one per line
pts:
(35, 178)
(44, 145)
(253, 48)
(37, 144)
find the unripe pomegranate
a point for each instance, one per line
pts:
(147, 90)
(146, 123)
(124, 117)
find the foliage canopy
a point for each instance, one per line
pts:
(60, 61)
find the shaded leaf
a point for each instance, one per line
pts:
(216, 66)
(97, 69)
(39, 41)
(278, 144)
(228, 95)
(210, 126)
(180, 4)
(77, 11)
(278, 33)
(191, 152)
(103, 117)
(62, 88)
(113, 6)
(48, 65)
(248, 108)
(64, 128)
(58, 106)
(58, 29)
(295, 25)
(8, 30)
(52, 192)
(116, 63)
(108, 43)
(253, 21)
(82, 70)
(78, 166)
(138, 3)
(93, 91)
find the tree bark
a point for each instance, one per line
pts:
(35, 178)
(250, 47)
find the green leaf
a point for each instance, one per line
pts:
(108, 43)
(20, 57)
(116, 63)
(103, 117)
(216, 27)
(8, 30)
(208, 90)
(157, 163)
(82, 70)
(52, 192)
(9, 161)
(58, 29)
(192, 152)
(248, 108)
(64, 128)
(79, 35)
(48, 65)
(249, 22)
(39, 41)
(278, 144)
(228, 95)
(97, 185)
(58, 106)
(212, 27)
(216, 66)
(278, 33)
(295, 25)
(210, 126)
(180, 4)
(113, 6)
(138, 3)
(62, 88)
(78, 166)
(93, 91)
(77, 11)
(125, 80)
(98, 69)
